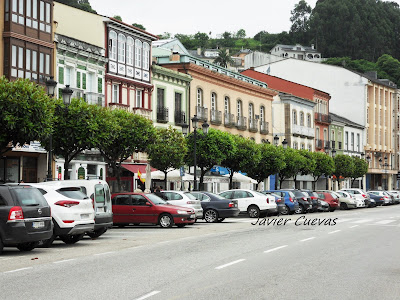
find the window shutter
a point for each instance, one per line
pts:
(84, 81)
(61, 75)
(78, 80)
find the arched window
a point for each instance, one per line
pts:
(129, 51)
(309, 147)
(138, 54)
(146, 56)
(112, 45)
(295, 145)
(301, 118)
(199, 97)
(239, 108)
(121, 48)
(227, 106)
(309, 120)
(262, 113)
(294, 117)
(251, 111)
(213, 101)
(302, 146)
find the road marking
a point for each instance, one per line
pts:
(17, 270)
(274, 249)
(354, 226)
(383, 222)
(149, 295)
(311, 238)
(230, 264)
(333, 231)
(104, 253)
(345, 220)
(164, 242)
(362, 221)
(63, 261)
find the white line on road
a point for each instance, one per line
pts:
(63, 261)
(333, 231)
(311, 238)
(230, 264)
(274, 249)
(354, 226)
(17, 270)
(362, 221)
(104, 253)
(148, 295)
(383, 222)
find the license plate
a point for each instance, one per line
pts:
(100, 209)
(84, 216)
(37, 225)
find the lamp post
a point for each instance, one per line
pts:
(51, 86)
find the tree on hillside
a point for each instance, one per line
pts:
(140, 26)
(300, 22)
(168, 150)
(201, 39)
(223, 59)
(26, 113)
(241, 34)
(81, 4)
(118, 18)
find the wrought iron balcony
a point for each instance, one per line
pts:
(253, 125)
(215, 117)
(323, 118)
(229, 120)
(264, 127)
(319, 144)
(180, 117)
(241, 123)
(202, 113)
(327, 145)
(162, 114)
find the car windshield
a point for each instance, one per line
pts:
(190, 196)
(155, 199)
(259, 194)
(215, 196)
(28, 196)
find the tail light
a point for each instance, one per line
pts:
(365, 196)
(304, 198)
(231, 204)
(66, 203)
(268, 200)
(313, 198)
(68, 221)
(381, 199)
(15, 213)
(291, 199)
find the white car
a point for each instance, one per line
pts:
(185, 199)
(252, 202)
(71, 210)
(346, 200)
(396, 195)
(357, 193)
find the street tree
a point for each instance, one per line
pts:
(272, 162)
(26, 113)
(344, 167)
(360, 168)
(324, 166)
(211, 150)
(294, 162)
(308, 167)
(120, 135)
(244, 155)
(223, 59)
(75, 129)
(168, 150)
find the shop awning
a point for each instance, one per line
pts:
(135, 167)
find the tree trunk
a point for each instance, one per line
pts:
(66, 173)
(117, 169)
(202, 173)
(231, 179)
(165, 180)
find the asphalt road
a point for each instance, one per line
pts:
(352, 257)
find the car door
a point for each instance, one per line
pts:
(142, 212)
(122, 209)
(243, 198)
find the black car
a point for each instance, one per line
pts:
(280, 203)
(323, 206)
(25, 217)
(316, 205)
(304, 201)
(215, 207)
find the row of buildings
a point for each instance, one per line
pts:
(109, 63)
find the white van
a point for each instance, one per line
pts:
(99, 191)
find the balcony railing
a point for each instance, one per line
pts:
(141, 111)
(215, 117)
(241, 123)
(118, 106)
(229, 120)
(264, 127)
(162, 114)
(95, 98)
(319, 144)
(303, 131)
(340, 145)
(253, 125)
(327, 144)
(77, 93)
(202, 113)
(180, 118)
(323, 118)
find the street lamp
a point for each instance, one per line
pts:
(333, 153)
(66, 94)
(276, 140)
(284, 144)
(51, 86)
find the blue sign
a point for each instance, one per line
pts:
(182, 171)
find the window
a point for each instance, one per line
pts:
(352, 141)
(302, 146)
(178, 102)
(309, 120)
(213, 101)
(121, 48)
(139, 97)
(112, 45)
(160, 98)
(146, 56)
(325, 135)
(294, 113)
(262, 113)
(301, 118)
(227, 108)
(309, 147)
(346, 140)
(129, 51)
(199, 97)
(251, 111)
(121, 200)
(239, 108)
(115, 93)
(295, 145)
(138, 54)
(358, 142)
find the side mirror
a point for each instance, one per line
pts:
(148, 204)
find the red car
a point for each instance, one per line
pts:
(331, 199)
(139, 208)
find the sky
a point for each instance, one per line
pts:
(187, 17)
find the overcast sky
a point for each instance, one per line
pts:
(189, 17)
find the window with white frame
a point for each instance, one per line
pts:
(138, 54)
(112, 46)
(115, 93)
(301, 118)
(129, 51)
(239, 108)
(199, 97)
(294, 113)
(121, 48)
(227, 108)
(213, 101)
(346, 140)
(262, 113)
(251, 111)
(302, 146)
(352, 141)
(146, 56)
(295, 145)
(309, 120)
(139, 98)
(309, 147)
(358, 142)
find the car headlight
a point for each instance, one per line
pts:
(182, 212)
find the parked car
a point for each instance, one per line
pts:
(330, 198)
(290, 201)
(71, 210)
(386, 197)
(314, 199)
(396, 196)
(185, 199)
(346, 200)
(251, 202)
(280, 203)
(323, 206)
(215, 207)
(379, 200)
(304, 201)
(25, 217)
(359, 194)
(99, 191)
(138, 208)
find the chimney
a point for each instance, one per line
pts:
(312, 46)
(175, 57)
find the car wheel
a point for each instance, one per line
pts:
(211, 216)
(71, 239)
(253, 211)
(166, 221)
(97, 233)
(300, 210)
(284, 211)
(47, 243)
(181, 225)
(220, 220)
(27, 246)
(343, 206)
